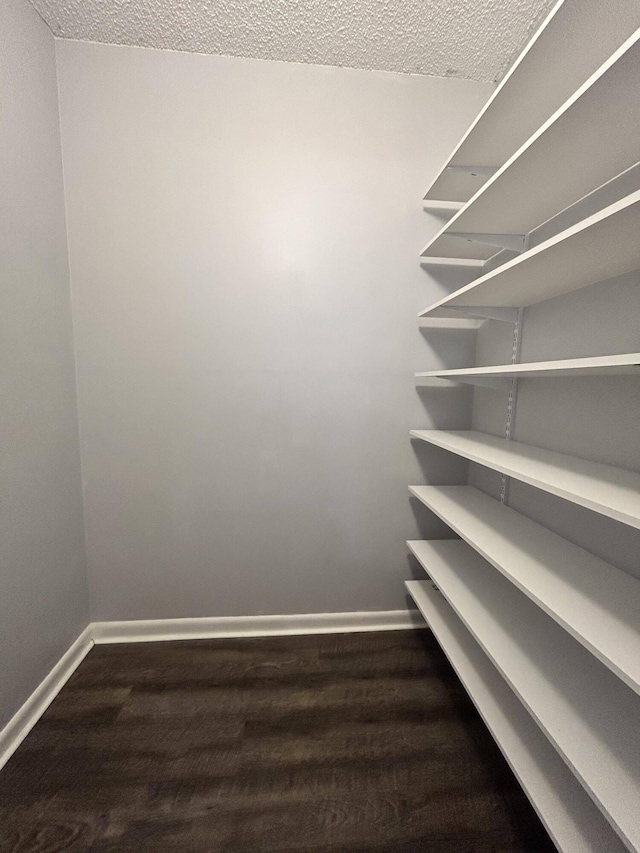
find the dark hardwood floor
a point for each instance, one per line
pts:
(331, 744)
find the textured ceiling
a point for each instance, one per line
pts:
(473, 39)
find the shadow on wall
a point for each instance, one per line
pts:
(447, 407)
(448, 279)
(453, 349)
(428, 524)
(417, 574)
(439, 466)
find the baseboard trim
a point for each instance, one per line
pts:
(156, 630)
(28, 715)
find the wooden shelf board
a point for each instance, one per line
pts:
(626, 364)
(587, 713)
(572, 820)
(598, 604)
(600, 247)
(610, 491)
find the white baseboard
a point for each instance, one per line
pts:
(206, 628)
(154, 630)
(28, 715)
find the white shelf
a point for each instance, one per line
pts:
(627, 364)
(613, 492)
(596, 603)
(438, 206)
(470, 263)
(598, 248)
(549, 170)
(449, 323)
(570, 817)
(569, 46)
(587, 713)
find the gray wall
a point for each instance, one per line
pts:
(243, 240)
(43, 592)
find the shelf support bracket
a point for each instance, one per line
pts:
(495, 383)
(514, 242)
(505, 315)
(435, 382)
(516, 346)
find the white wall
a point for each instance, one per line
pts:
(243, 241)
(43, 591)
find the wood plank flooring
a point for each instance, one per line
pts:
(349, 743)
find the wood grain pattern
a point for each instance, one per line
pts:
(349, 743)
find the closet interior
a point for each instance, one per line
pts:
(537, 603)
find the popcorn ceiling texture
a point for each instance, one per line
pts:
(473, 39)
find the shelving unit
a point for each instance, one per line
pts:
(562, 804)
(627, 364)
(549, 168)
(589, 715)
(543, 77)
(596, 603)
(600, 247)
(613, 492)
(542, 198)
